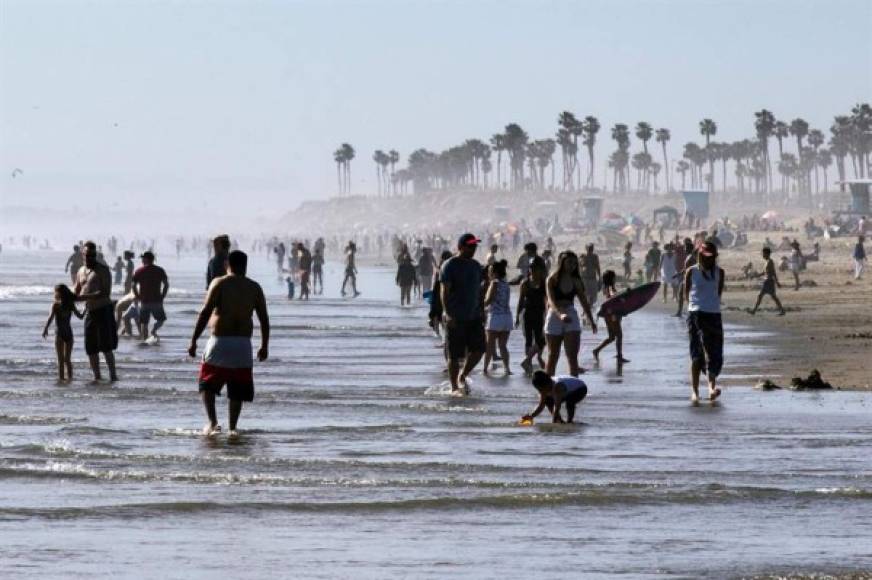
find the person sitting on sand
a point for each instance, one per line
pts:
(769, 282)
(613, 322)
(703, 286)
(553, 393)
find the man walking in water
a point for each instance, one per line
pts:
(74, 262)
(460, 279)
(703, 286)
(228, 359)
(150, 286)
(350, 269)
(94, 287)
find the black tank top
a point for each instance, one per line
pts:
(561, 296)
(534, 301)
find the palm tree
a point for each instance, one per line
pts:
(498, 144)
(655, 168)
(567, 122)
(861, 120)
(640, 162)
(591, 127)
(815, 140)
(516, 144)
(644, 132)
(696, 157)
(394, 157)
(787, 166)
(682, 167)
(378, 157)
(824, 160)
(338, 157)
(840, 146)
(621, 135)
(348, 154)
(764, 123)
(781, 132)
(708, 128)
(799, 129)
(663, 136)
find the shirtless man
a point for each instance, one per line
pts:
(94, 287)
(230, 302)
(74, 262)
(150, 286)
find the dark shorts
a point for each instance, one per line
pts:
(768, 287)
(101, 333)
(240, 382)
(149, 309)
(534, 331)
(572, 399)
(706, 333)
(465, 336)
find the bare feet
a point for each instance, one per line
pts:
(211, 430)
(596, 355)
(694, 398)
(714, 394)
(527, 366)
(622, 360)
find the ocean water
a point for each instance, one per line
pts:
(354, 463)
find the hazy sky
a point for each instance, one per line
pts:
(137, 103)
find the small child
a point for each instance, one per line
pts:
(627, 262)
(613, 323)
(290, 281)
(62, 309)
(769, 282)
(553, 393)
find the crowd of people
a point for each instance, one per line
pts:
(470, 303)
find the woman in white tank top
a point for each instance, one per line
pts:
(703, 285)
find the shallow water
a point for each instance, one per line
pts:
(354, 463)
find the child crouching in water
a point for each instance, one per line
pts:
(553, 393)
(613, 323)
(62, 310)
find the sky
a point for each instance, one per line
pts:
(240, 104)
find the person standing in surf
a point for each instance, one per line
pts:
(94, 287)
(532, 303)
(217, 265)
(460, 288)
(150, 287)
(62, 310)
(499, 315)
(230, 303)
(591, 274)
(703, 286)
(613, 321)
(350, 269)
(562, 324)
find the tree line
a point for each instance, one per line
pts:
(511, 160)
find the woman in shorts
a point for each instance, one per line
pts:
(562, 324)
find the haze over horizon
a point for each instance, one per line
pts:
(173, 105)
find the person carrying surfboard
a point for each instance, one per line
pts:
(613, 321)
(703, 286)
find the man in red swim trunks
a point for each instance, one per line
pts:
(230, 302)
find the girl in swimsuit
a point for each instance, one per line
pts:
(613, 323)
(62, 310)
(562, 325)
(499, 315)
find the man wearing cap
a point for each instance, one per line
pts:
(150, 286)
(703, 286)
(460, 279)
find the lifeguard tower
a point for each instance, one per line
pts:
(696, 201)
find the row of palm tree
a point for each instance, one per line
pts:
(530, 163)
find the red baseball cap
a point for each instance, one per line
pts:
(468, 240)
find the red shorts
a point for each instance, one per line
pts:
(240, 382)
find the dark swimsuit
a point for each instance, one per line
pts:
(534, 316)
(63, 330)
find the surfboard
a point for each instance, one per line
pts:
(630, 300)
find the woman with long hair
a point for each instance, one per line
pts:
(499, 315)
(562, 324)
